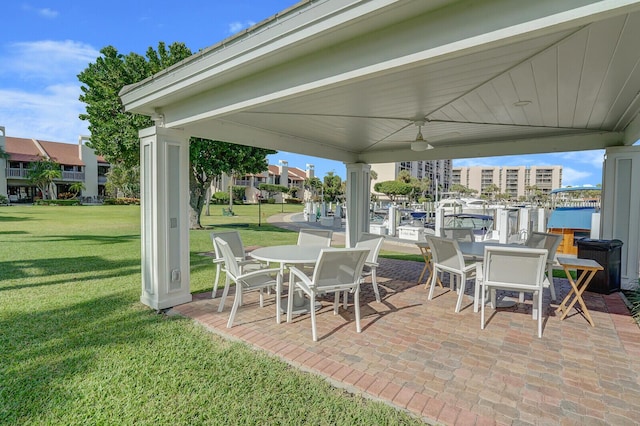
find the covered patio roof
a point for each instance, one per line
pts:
(348, 80)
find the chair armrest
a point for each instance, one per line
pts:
(305, 281)
(259, 272)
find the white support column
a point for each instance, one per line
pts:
(358, 198)
(164, 159)
(3, 164)
(621, 207)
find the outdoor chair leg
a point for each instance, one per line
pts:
(356, 305)
(375, 284)
(215, 282)
(224, 295)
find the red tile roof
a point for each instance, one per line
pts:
(21, 149)
(63, 153)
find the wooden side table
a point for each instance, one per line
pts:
(589, 268)
(425, 250)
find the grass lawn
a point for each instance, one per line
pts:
(77, 347)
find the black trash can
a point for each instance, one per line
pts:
(607, 253)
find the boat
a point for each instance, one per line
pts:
(481, 224)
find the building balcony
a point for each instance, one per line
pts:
(75, 176)
(13, 173)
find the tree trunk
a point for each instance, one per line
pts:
(196, 202)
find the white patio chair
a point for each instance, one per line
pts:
(551, 242)
(232, 238)
(373, 243)
(520, 269)
(447, 257)
(315, 237)
(245, 282)
(458, 234)
(336, 270)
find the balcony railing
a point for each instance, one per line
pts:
(16, 173)
(73, 176)
(22, 174)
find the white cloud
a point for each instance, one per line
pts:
(40, 89)
(44, 12)
(47, 59)
(51, 114)
(573, 177)
(237, 26)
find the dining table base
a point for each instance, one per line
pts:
(301, 305)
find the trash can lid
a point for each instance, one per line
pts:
(603, 244)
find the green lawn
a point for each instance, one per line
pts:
(77, 347)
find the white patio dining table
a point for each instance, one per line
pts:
(291, 255)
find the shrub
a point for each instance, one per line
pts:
(293, 201)
(634, 299)
(66, 195)
(271, 201)
(220, 198)
(73, 202)
(4, 201)
(121, 201)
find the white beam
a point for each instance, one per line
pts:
(632, 132)
(580, 142)
(246, 135)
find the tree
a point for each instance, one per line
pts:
(272, 189)
(123, 181)
(313, 185)
(491, 190)
(77, 188)
(332, 187)
(209, 159)
(42, 174)
(393, 188)
(462, 190)
(114, 132)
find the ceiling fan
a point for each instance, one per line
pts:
(422, 144)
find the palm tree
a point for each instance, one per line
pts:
(77, 188)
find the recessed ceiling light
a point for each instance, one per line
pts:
(521, 103)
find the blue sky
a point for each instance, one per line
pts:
(44, 45)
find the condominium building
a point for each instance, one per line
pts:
(437, 171)
(514, 181)
(281, 174)
(78, 163)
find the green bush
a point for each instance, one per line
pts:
(634, 299)
(122, 201)
(293, 201)
(271, 200)
(220, 198)
(56, 202)
(4, 201)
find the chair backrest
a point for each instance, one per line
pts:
(546, 241)
(515, 267)
(232, 238)
(315, 237)
(373, 242)
(338, 267)
(230, 262)
(459, 234)
(446, 252)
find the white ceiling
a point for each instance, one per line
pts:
(347, 79)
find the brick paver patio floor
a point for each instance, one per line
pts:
(420, 356)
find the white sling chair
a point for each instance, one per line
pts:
(336, 270)
(519, 269)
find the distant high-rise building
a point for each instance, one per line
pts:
(514, 181)
(437, 171)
